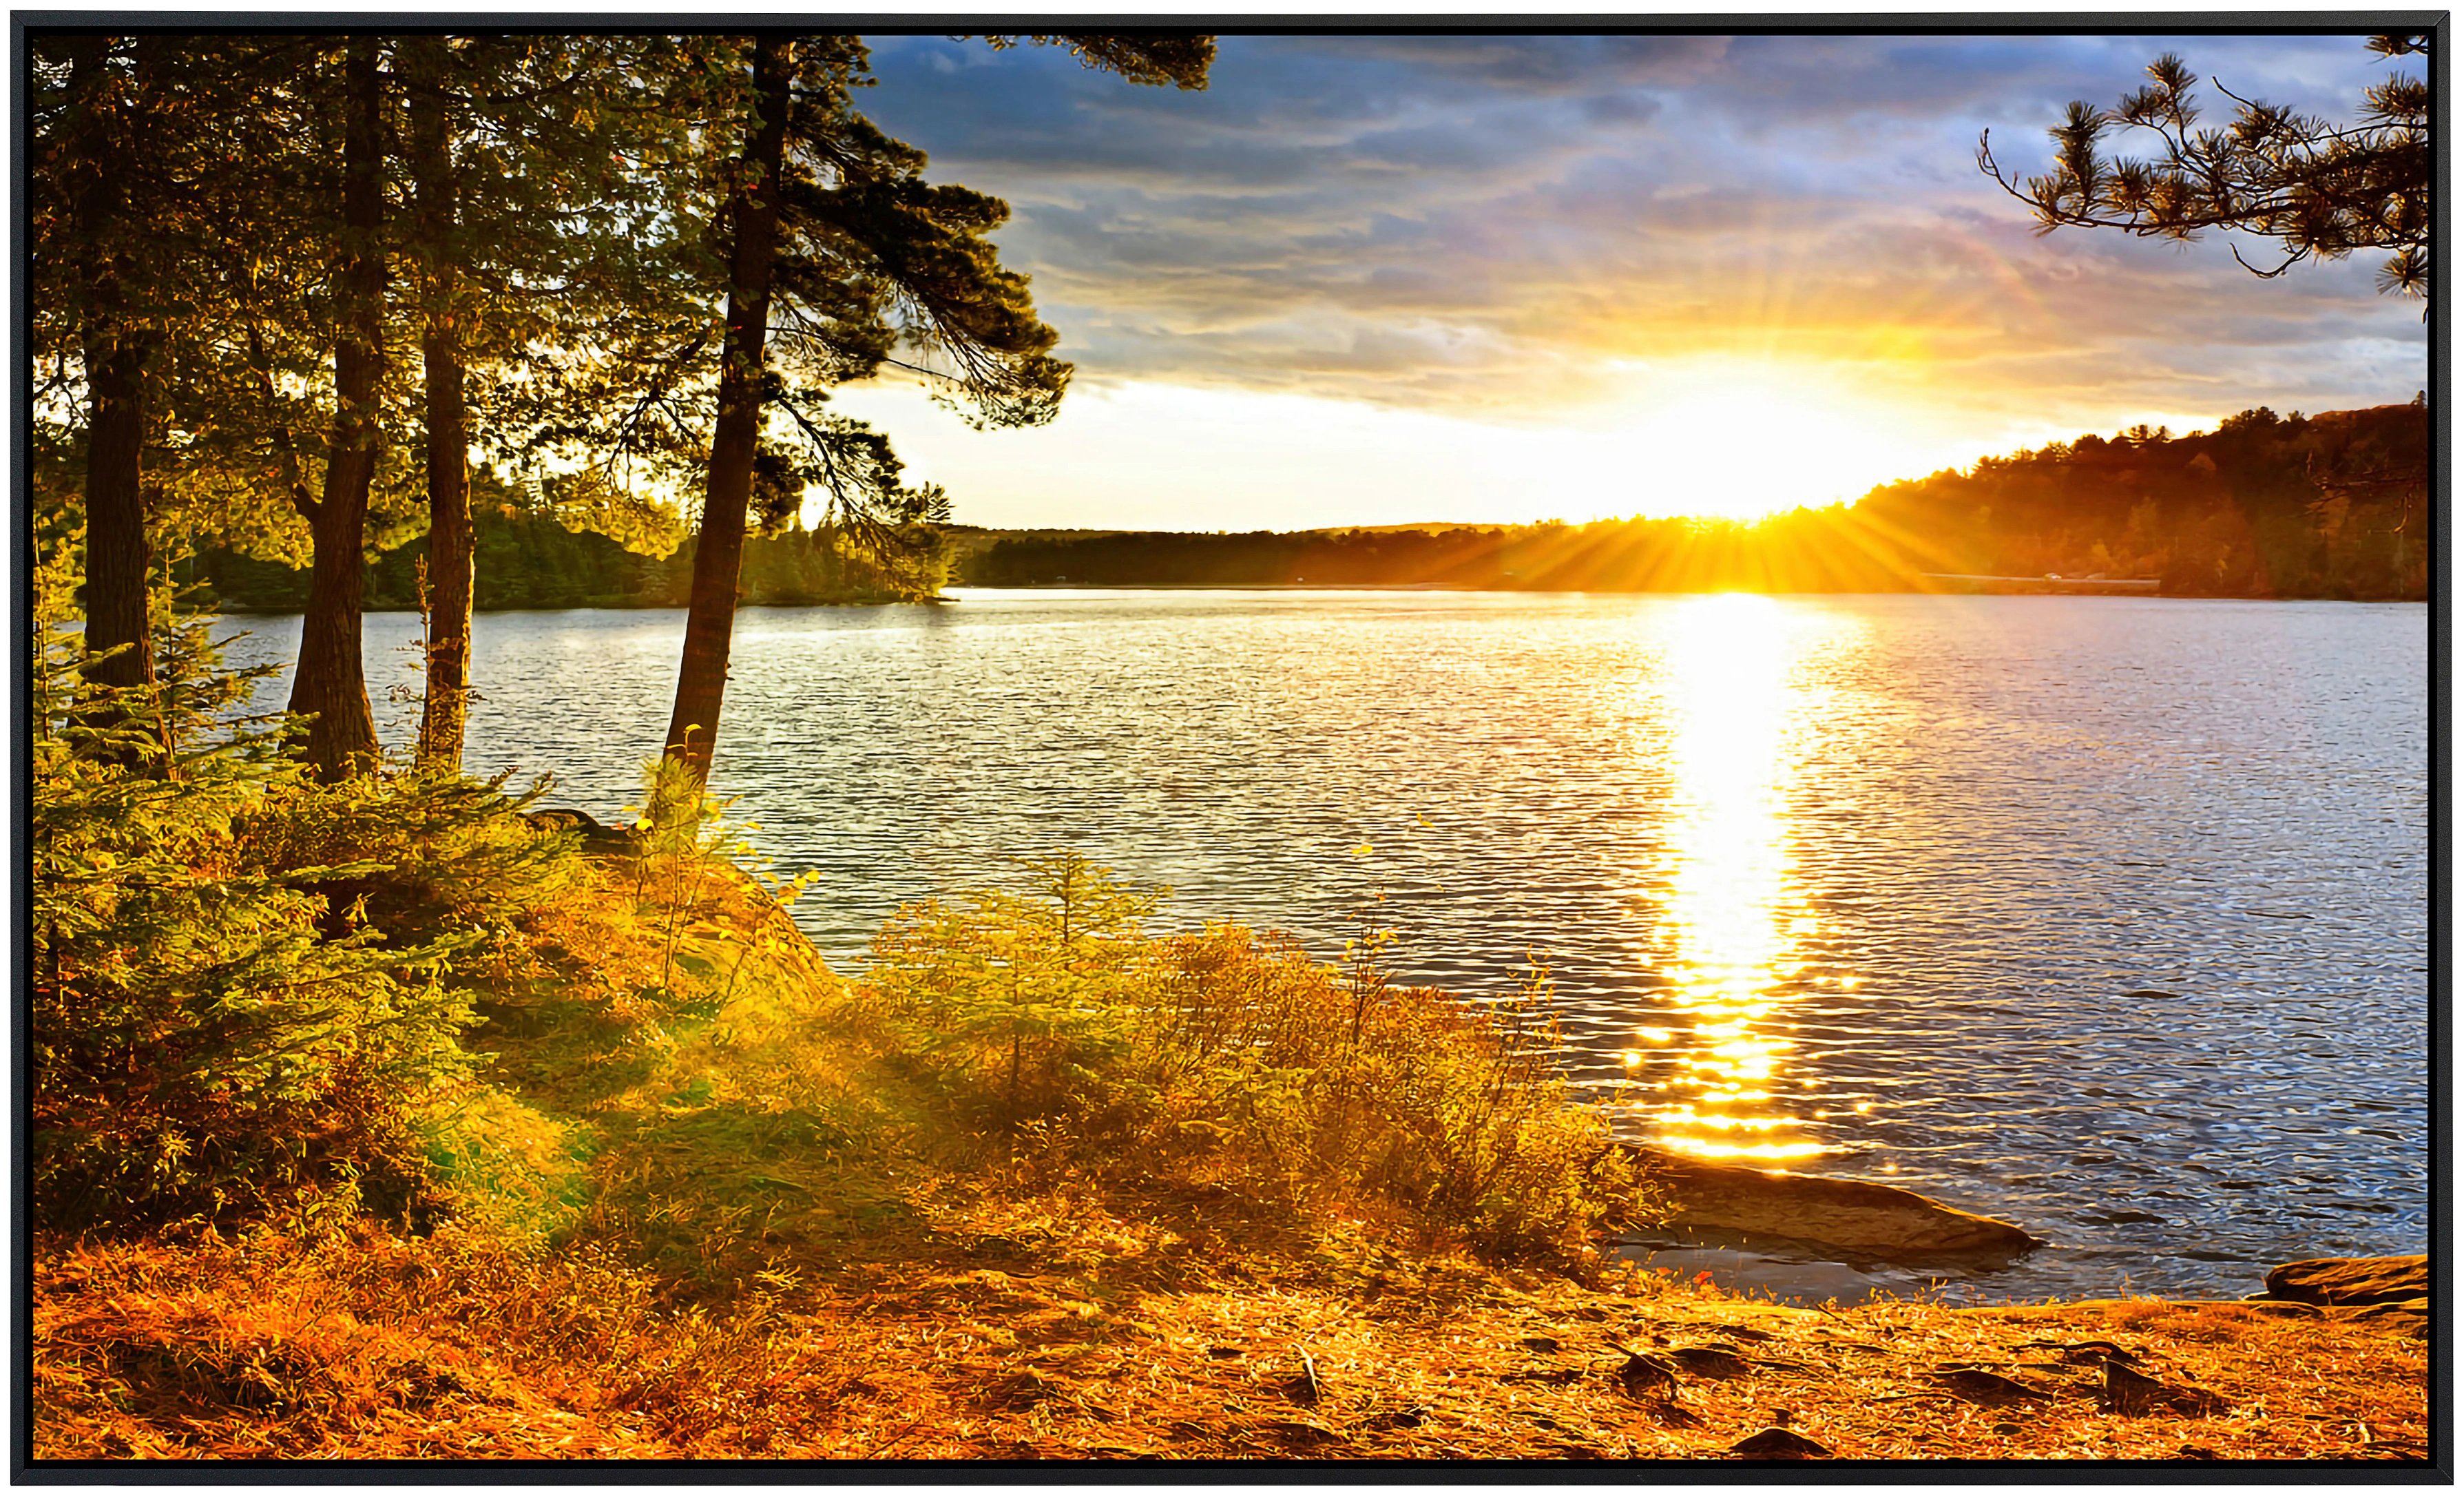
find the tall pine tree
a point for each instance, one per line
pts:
(330, 686)
(839, 254)
(536, 166)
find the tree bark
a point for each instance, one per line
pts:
(719, 558)
(330, 684)
(119, 553)
(445, 712)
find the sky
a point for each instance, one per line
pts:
(1381, 280)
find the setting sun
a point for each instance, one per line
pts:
(1740, 442)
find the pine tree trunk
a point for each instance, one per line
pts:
(330, 684)
(119, 555)
(446, 710)
(718, 558)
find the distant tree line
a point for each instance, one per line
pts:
(2333, 505)
(1786, 553)
(535, 553)
(532, 561)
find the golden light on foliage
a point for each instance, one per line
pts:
(1733, 917)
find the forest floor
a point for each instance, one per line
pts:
(987, 1326)
(755, 1241)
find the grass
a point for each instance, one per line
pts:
(996, 1327)
(1043, 1186)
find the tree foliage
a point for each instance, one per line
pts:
(841, 259)
(265, 260)
(2319, 190)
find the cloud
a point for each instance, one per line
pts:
(1555, 65)
(1482, 224)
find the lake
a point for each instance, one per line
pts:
(2107, 915)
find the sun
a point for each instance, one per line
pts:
(1742, 443)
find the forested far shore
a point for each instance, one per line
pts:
(2327, 506)
(2263, 506)
(2333, 505)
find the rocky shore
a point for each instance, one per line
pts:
(2391, 1292)
(1863, 1219)
(1805, 1235)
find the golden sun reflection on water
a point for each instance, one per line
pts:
(1732, 921)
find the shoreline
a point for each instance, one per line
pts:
(2020, 587)
(1813, 1239)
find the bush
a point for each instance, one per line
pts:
(1228, 1060)
(254, 992)
(248, 986)
(199, 1036)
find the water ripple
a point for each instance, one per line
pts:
(2109, 915)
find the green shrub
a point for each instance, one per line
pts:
(1026, 1005)
(1228, 1060)
(249, 987)
(521, 1171)
(197, 1040)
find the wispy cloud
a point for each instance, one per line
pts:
(1498, 228)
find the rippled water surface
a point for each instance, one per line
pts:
(2106, 915)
